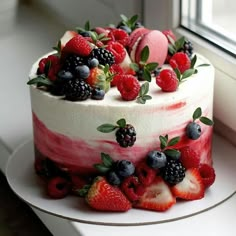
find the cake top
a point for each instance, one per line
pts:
(121, 61)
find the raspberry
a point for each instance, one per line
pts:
(181, 61)
(145, 174)
(58, 187)
(120, 36)
(130, 187)
(167, 80)
(128, 87)
(208, 174)
(117, 71)
(189, 158)
(126, 136)
(117, 50)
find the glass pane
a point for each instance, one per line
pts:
(213, 20)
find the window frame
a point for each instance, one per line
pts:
(165, 14)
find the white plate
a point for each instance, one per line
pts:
(24, 182)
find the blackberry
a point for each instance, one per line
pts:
(188, 48)
(126, 136)
(103, 56)
(77, 90)
(72, 61)
(173, 172)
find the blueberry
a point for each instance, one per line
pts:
(124, 168)
(97, 94)
(85, 33)
(93, 62)
(156, 159)
(125, 28)
(138, 25)
(193, 130)
(113, 178)
(64, 75)
(82, 71)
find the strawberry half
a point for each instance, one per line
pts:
(157, 196)
(104, 197)
(189, 158)
(191, 188)
(77, 45)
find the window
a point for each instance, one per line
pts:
(208, 25)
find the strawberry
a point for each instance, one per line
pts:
(167, 80)
(98, 78)
(117, 50)
(189, 158)
(77, 45)
(191, 188)
(180, 61)
(208, 175)
(68, 35)
(128, 87)
(157, 196)
(104, 197)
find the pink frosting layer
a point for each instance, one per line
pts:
(78, 155)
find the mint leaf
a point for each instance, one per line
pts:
(106, 160)
(141, 100)
(40, 80)
(172, 153)
(205, 64)
(134, 67)
(101, 168)
(179, 43)
(147, 97)
(124, 18)
(173, 141)
(145, 54)
(187, 73)
(151, 66)
(121, 123)
(106, 128)
(171, 49)
(193, 61)
(147, 75)
(144, 89)
(197, 113)
(133, 19)
(87, 26)
(163, 141)
(206, 121)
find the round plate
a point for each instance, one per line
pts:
(24, 182)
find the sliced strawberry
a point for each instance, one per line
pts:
(105, 197)
(191, 188)
(208, 175)
(77, 45)
(117, 50)
(68, 35)
(157, 196)
(189, 158)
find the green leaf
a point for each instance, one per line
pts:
(141, 100)
(197, 113)
(144, 89)
(121, 123)
(40, 80)
(178, 73)
(171, 49)
(101, 168)
(205, 64)
(101, 36)
(172, 41)
(147, 97)
(134, 66)
(79, 29)
(133, 19)
(145, 54)
(83, 191)
(106, 128)
(151, 66)
(187, 73)
(206, 121)
(106, 69)
(94, 36)
(163, 141)
(193, 61)
(173, 141)
(179, 43)
(87, 26)
(124, 18)
(172, 153)
(147, 75)
(106, 160)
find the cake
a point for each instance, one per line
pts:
(123, 115)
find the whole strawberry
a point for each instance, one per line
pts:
(167, 80)
(180, 61)
(189, 158)
(104, 197)
(128, 87)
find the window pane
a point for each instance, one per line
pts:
(213, 20)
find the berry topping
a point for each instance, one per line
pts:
(77, 45)
(117, 71)
(156, 159)
(128, 87)
(189, 158)
(92, 62)
(126, 136)
(120, 36)
(173, 172)
(129, 187)
(77, 90)
(145, 174)
(103, 56)
(180, 61)
(191, 188)
(58, 187)
(104, 197)
(72, 61)
(157, 196)
(193, 130)
(64, 75)
(167, 80)
(113, 178)
(187, 48)
(117, 50)
(124, 168)
(97, 94)
(208, 175)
